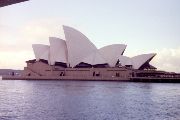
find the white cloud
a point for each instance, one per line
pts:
(40, 30)
(15, 60)
(167, 59)
(37, 31)
(15, 43)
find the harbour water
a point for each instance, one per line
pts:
(88, 100)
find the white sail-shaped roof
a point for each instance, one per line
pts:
(112, 53)
(58, 50)
(78, 45)
(139, 60)
(94, 59)
(41, 51)
(124, 60)
(78, 48)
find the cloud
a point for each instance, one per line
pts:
(15, 42)
(167, 59)
(14, 60)
(40, 30)
(37, 31)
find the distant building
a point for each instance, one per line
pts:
(10, 2)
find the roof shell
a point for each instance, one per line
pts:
(139, 60)
(112, 53)
(58, 50)
(41, 51)
(124, 60)
(78, 45)
(94, 59)
(78, 48)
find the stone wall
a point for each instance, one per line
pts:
(44, 70)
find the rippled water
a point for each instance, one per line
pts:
(88, 100)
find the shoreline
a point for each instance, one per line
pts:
(70, 78)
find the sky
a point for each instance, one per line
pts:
(145, 26)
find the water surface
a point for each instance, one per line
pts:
(88, 100)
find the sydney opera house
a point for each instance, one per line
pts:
(77, 57)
